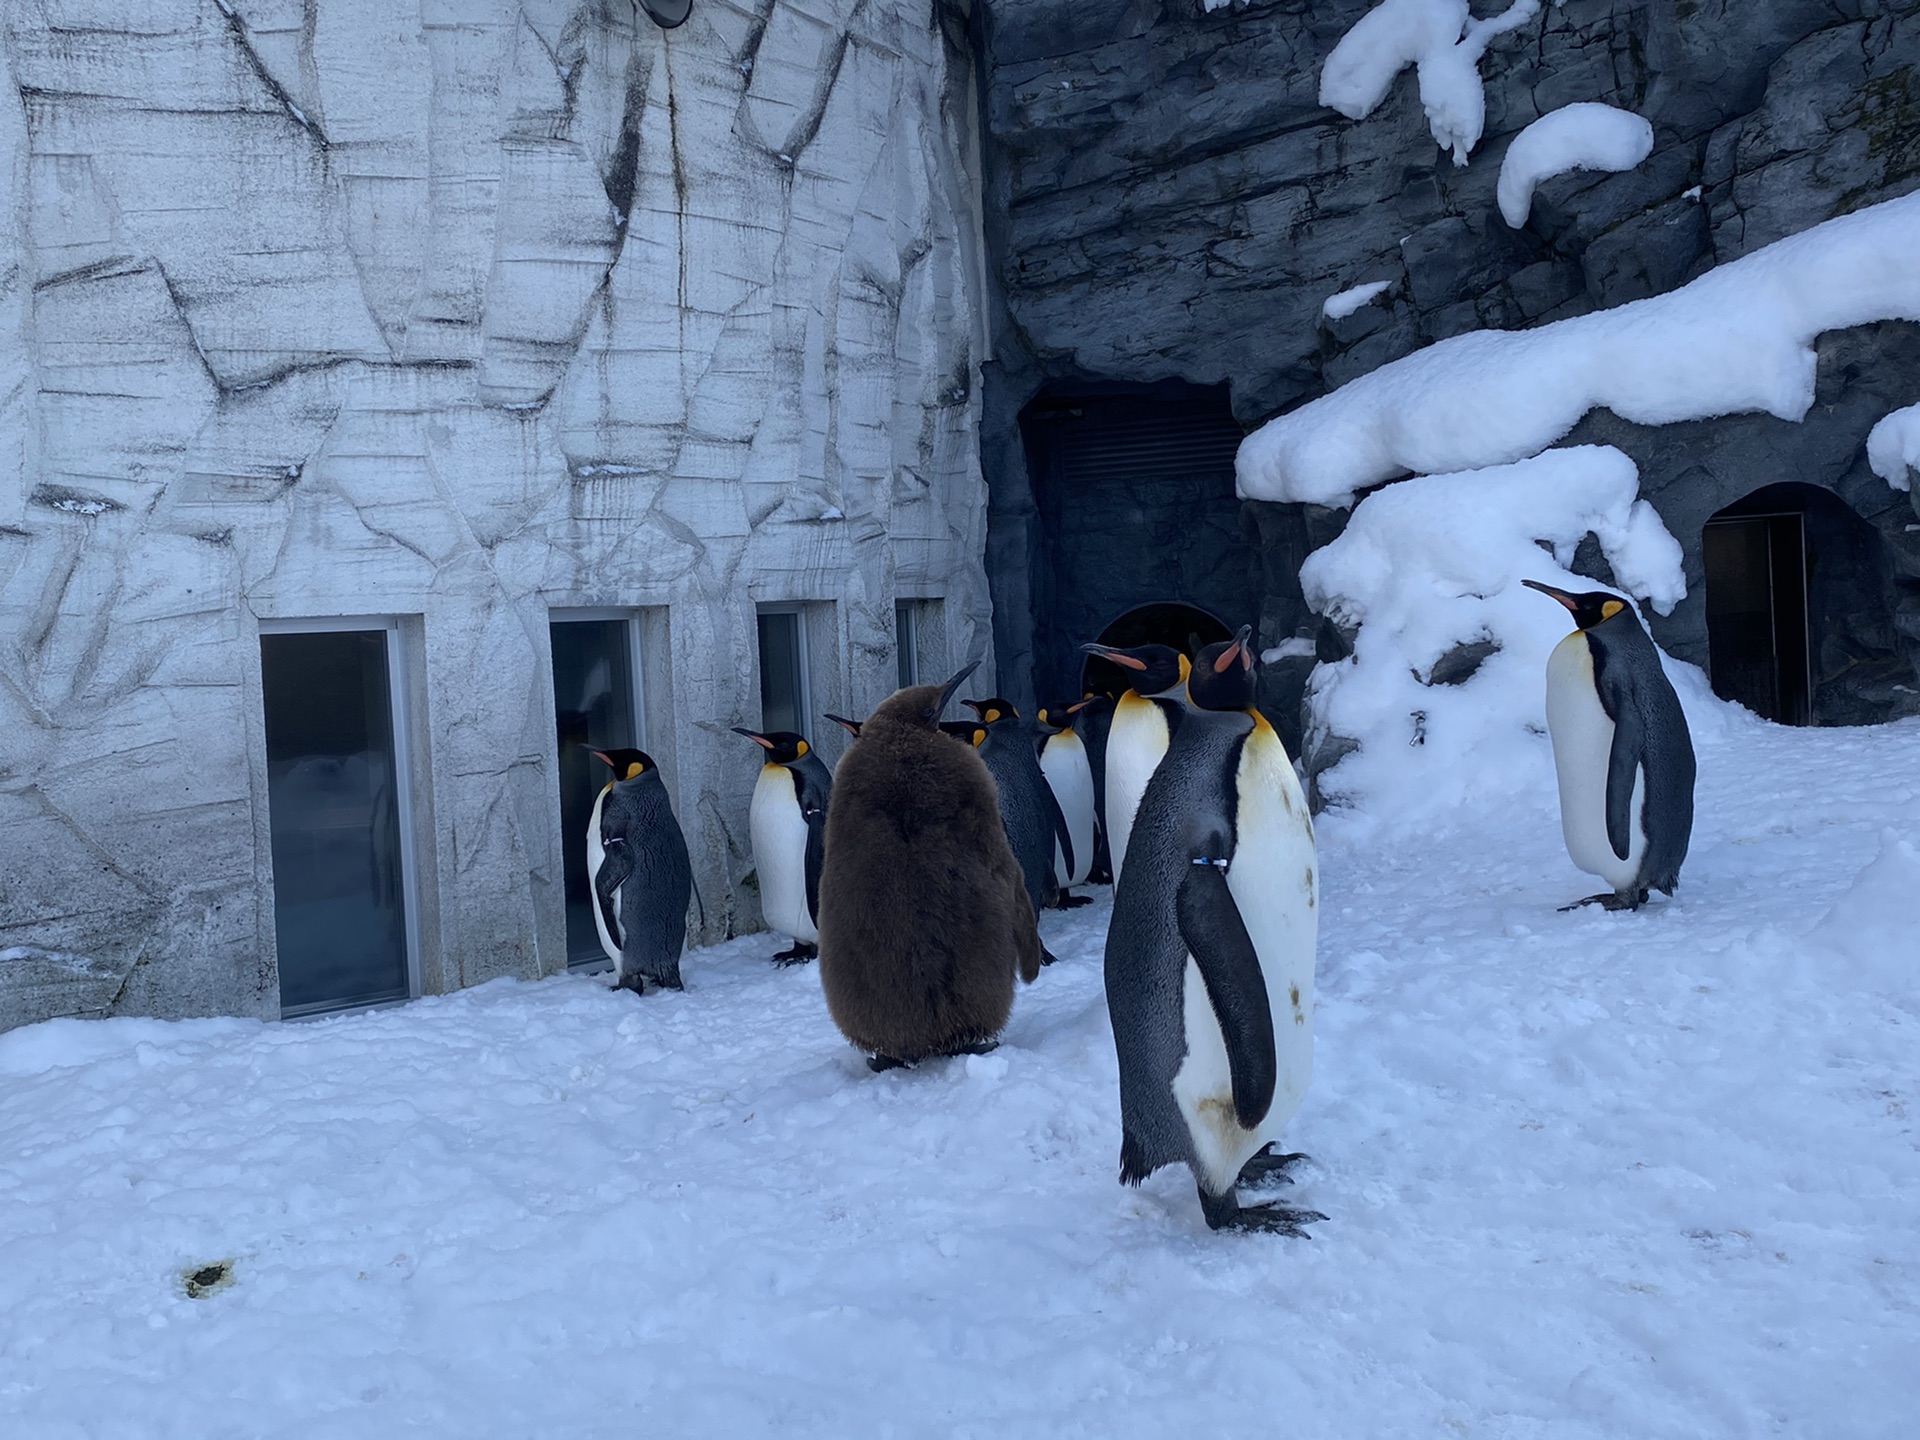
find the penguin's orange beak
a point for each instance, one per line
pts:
(1236, 651)
(753, 735)
(1117, 657)
(602, 755)
(1552, 594)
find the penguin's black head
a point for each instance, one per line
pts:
(1222, 677)
(967, 732)
(783, 747)
(918, 706)
(628, 764)
(1595, 607)
(1151, 669)
(992, 709)
(852, 727)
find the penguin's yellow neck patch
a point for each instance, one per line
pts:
(1610, 608)
(633, 770)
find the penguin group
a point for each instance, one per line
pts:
(916, 872)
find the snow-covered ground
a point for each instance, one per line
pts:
(1648, 1174)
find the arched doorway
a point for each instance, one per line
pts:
(1799, 629)
(1187, 628)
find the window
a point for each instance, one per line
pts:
(596, 706)
(338, 815)
(784, 692)
(906, 626)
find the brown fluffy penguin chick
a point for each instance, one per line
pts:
(923, 910)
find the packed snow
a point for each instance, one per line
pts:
(1343, 304)
(1443, 41)
(1433, 564)
(1589, 1175)
(1586, 136)
(1739, 338)
(1893, 447)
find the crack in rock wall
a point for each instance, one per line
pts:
(1171, 201)
(457, 314)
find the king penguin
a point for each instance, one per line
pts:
(644, 880)
(1063, 760)
(1621, 749)
(1145, 720)
(924, 916)
(1035, 826)
(1092, 721)
(1209, 963)
(788, 823)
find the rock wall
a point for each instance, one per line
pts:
(454, 312)
(1170, 200)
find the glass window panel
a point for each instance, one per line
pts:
(333, 812)
(783, 688)
(906, 631)
(593, 705)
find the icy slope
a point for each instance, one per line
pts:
(1589, 1174)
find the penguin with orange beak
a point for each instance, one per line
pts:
(642, 876)
(1621, 750)
(788, 823)
(1145, 720)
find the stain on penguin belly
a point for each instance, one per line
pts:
(1582, 750)
(1203, 1089)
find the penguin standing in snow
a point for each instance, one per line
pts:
(1209, 962)
(643, 880)
(924, 915)
(1621, 749)
(1092, 721)
(1145, 720)
(1035, 826)
(788, 823)
(1063, 760)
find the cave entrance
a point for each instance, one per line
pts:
(1187, 628)
(1133, 485)
(1798, 625)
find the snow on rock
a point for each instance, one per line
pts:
(1338, 307)
(1429, 572)
(1443, 41)
(1586, 136)
(1739, 338)
(1893, 447)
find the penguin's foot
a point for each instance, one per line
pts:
(1225, 1212)
(1047, 957)
(1067, 900)
(800, 954)
(880, 1064)
(1100, 875)
(1610, 900)
(1269, 1167)
(978, 1047)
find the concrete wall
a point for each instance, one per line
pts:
(455, 313)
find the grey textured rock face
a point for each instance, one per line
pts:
(1178, 205)
(455, 314)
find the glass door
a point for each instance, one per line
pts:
(334, 812)
(595, 707)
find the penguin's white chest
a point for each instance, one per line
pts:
(596, 855)
(779, 834)
(1275, 883)
(1135, 747)
(1582, 750)
(1070, 776)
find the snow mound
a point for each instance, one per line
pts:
(1587, 136)
(1443, 41)
(1893, 447)
(1338, 307)
(1872, 924)
(1429, 571)
(1739, 338)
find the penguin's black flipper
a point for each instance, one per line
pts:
(614, 870)
(816, 856)
(1623, 768)
(1217, 939)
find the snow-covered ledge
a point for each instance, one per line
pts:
(1739, 338)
